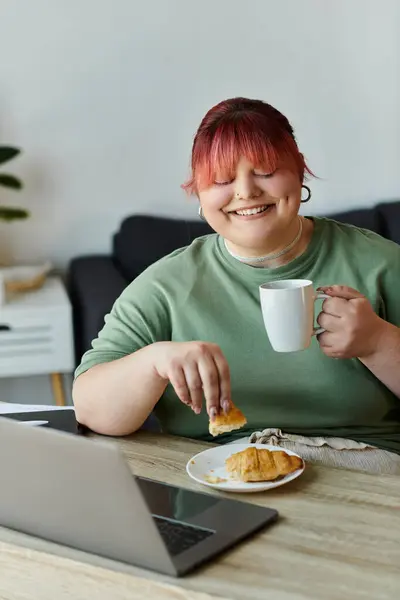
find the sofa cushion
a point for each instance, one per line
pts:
(367, 218)
(144, 239)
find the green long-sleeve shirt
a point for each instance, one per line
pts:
(200, 292)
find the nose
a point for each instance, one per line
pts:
(246, 188)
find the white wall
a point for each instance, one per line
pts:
(104, 97)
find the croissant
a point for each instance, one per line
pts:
(225, 422)
(255, 464)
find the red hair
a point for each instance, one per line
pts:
(241, 127)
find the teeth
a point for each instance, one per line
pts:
(251, 211)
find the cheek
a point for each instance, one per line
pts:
(215, 199)
(282, 186)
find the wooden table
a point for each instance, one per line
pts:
(338, 538)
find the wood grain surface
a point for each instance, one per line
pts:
(338, 537)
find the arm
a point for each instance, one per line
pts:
(384, 363)
(133, 385)
(115, 388)
(354, 330)
(116, 398)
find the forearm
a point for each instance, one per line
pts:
(384, 363)
(116, 398)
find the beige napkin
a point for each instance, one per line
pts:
(276, 436)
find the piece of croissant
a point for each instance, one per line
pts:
(225, 422)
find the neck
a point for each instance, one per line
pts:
(300, 237)
(256, 258)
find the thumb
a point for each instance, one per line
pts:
(341, 291)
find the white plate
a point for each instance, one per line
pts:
(211, 463)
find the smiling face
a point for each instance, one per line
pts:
(254, 210)
(247, 172)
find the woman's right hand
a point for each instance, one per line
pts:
(195, 369)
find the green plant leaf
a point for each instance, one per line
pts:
(9, 181)
(12, 214)
(8, 153)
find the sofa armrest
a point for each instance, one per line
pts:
(390, 215)
(94, 283)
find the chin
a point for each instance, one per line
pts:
(259, 229)
(254, 237)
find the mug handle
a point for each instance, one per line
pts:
(319, 296)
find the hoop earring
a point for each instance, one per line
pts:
(308, 192)
(202, 217)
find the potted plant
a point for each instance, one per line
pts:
(7, 213)
(18, 278)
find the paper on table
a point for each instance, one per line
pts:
(9, 407)
(33, 423)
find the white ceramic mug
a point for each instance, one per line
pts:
(288, 312)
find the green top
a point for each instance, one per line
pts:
(202, 293)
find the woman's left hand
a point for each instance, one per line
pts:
(353, 329)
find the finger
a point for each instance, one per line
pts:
(329, 322)
(336, 307)
(330, 340)
(195, 386)
(341, 291)
(325, 339)
(178, 381)
(224, 380)
(331, 353)
(210, 378)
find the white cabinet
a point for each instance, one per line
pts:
(36, 335)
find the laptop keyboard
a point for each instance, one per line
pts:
(179, 537)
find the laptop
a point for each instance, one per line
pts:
(81, 493)
(62, 419)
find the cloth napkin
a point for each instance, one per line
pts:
(276, 436)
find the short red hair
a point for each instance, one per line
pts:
(241, 127)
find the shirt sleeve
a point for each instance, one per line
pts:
(138, 318)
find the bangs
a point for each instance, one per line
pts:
(230, 142)
(218, 149)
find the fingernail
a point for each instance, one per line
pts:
(197, 410)
(213, 412)
(226, 406)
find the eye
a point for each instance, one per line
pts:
(264, 175)
(227, 182)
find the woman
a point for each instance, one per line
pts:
(189, 329)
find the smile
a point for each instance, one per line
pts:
(248, 212)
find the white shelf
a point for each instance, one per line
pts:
(36, 332)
